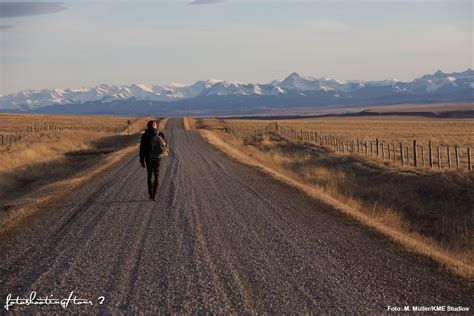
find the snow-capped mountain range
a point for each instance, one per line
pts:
(295, 84)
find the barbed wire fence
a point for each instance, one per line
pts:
(9, 139)
(414, 154)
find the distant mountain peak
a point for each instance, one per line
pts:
(294, 75)
(295, 84)
(297, 76)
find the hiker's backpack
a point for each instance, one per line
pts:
(159, 148)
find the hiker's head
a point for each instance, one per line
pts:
(152, 125)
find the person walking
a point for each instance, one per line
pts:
(153, 148)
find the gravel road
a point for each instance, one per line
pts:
(222, 237)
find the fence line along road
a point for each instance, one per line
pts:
(408, 155)
(11, 138)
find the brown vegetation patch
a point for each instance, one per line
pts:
(432, 208)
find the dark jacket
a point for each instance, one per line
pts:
(145, 143)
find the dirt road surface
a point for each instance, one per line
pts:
(222, 237)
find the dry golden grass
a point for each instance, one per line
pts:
(432, 107)
(12, 215)
(47, 157)
(10, 123)
(47, 166)
(428, 212)
(189, 123)
(162, 124)
(390, 129)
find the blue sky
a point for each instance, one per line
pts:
(121, 42)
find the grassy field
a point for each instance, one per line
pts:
(390, 132)
(11, 123)
(433, 208)
(391, 129)
(45, 157)
(432, 107)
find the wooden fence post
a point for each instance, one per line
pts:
(469, 165)
(389, 153)
(371, 149)
(456, 154)
(415, 160)
(377, 147)
(401, 153)
(439, 157)
(383, 152)
(430, 153)
(449, 157)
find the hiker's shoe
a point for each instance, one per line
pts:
(154, 197)
(150, 196)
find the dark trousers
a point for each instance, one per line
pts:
(153, 170)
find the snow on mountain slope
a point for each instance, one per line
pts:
(294, 83)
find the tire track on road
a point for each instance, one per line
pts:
(222, 238)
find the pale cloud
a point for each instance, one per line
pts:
(125, 43)
(10, 10)
(206, 1)
(18, 9)
(326, 25)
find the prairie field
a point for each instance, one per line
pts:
(433, 207)
(390, 129)
(44, 155)
(11, 123)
